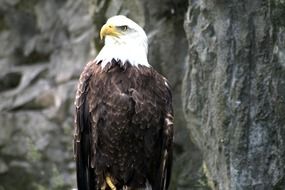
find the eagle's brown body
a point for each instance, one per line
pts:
(123, 128)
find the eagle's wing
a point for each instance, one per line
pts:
(82, 136)
(167, 143)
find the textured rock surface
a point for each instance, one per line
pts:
(230, 53)
(43, 47)
(233, 91)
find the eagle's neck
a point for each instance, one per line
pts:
(134, 53)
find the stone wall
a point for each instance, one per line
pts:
(224, 60)
(44, 45)
(233, 91)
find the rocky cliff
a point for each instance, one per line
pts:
(233, 91)
(224, 60)
(44, 45)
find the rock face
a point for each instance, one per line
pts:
(233, 91)
(224, 60)
(44, 45)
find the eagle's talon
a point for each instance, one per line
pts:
(110, 183)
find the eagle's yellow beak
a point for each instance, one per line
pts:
(109, 29)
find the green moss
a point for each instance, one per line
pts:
(38, 186)
(278, 12)
(279, 185)
(207, 177)
(57, 180)
(17, 178)
(3, 24)
(33, 154)
(26, 6)
(280, 2)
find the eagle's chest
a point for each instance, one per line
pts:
(125, 119)
(128, 112)
(128, 124)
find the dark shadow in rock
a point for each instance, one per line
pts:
(10, 81)
(33, 58)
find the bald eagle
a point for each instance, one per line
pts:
(124, 119)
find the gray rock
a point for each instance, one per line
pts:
(224, 60)
(232, 95)
(3, 167)
(44, 46)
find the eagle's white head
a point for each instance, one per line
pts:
(125, 40)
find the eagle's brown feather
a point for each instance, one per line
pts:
(124, 127)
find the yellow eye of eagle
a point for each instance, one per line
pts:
(123, 27)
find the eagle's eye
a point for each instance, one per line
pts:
(123, 28)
